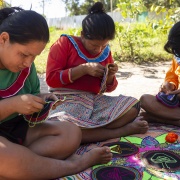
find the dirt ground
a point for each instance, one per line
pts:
(134, 80)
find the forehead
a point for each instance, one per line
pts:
(33, 48)
(99, 42)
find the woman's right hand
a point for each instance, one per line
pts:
(167, 87)
(27, 103)
(94, 69)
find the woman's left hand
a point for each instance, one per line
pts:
(48, 96)
(51, 97)
(174, 92)
(113, 69)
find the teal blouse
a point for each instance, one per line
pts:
(30, 85)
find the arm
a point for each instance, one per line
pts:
(112, 82)
(20, 104)
(23, 102)
(171, 79)
(57, 71)
(64, 66)
(171, 76)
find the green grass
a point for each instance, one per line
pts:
(41, 60)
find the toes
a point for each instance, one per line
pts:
(143, 123)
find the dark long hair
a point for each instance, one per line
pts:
(97, 24)
(23, 26)
(173, 44)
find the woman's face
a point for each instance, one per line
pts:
(15, 57)
(94, 47)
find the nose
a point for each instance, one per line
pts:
(28, 61)
(99, 49)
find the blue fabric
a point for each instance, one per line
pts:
(104, 54)
(178, 60)
(170, 100)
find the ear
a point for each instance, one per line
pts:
(4, 37)
(82, 34)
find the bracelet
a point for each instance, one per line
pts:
(61, 77)
(69, 75)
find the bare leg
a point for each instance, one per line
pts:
(154, 119)
(54, 139)
(123, 126)
(157, 112)
(20, 163)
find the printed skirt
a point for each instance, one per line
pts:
(88, 110)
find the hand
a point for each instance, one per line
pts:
(95, 69)
(174, 92)
(48, 96)
(113, 69)
(167, 87)
(51, 97)
(27, 103)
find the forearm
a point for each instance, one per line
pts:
(112, 86)
(78, 71)
(110, 80)
(7, 108)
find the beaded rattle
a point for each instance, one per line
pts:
(41, 116)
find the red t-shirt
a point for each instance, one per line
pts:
(65, 54)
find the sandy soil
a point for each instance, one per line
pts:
(134, 80)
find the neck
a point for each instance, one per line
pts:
(1, 65)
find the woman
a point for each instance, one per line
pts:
(80, 69)
(42, 151)
(166, 109)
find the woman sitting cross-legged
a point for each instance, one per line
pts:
(80, 70)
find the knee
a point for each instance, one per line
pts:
(75, 130)
(73, 134)
(144, 100)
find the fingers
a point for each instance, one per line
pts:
(174, 92)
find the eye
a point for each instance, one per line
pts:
(23, 55)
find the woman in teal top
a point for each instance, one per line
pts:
(42, 151)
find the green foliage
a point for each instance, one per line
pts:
(76, 7)
(41, 60)
(136, 42)
(131, 8)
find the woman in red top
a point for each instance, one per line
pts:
(81, 69)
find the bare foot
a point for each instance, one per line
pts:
(96, 156)
(138, 126)
(147, 117)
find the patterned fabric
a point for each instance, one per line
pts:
(41, 116)
(115, 173)
(89, 110)
(170, 100)
(122, 149)
(152, 141)
(101, 57)
(17, 85)
(161, 160)
(103, 82)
